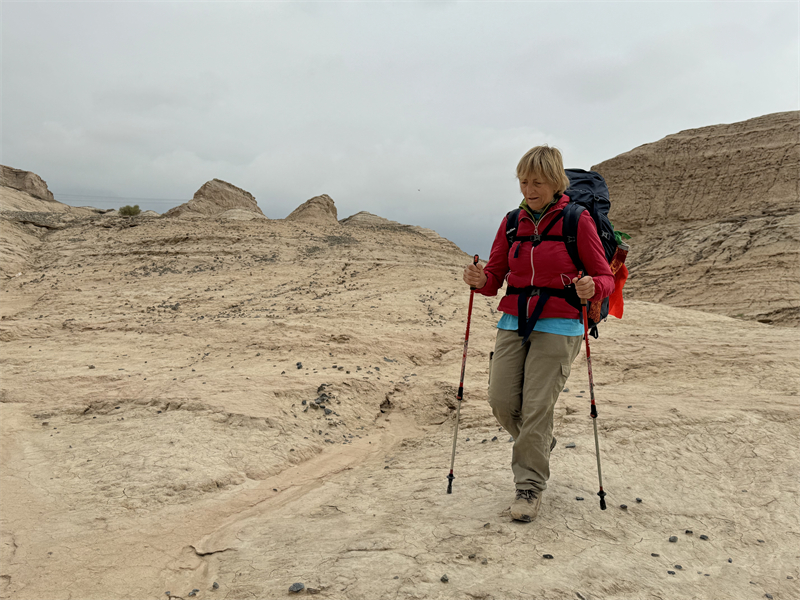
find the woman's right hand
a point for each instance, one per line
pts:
(474, 276)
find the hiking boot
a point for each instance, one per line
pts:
(526, 506)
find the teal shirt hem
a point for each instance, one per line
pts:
(558, 326)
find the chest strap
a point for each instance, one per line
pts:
(539, 238)
(526, 324)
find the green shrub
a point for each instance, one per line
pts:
(130, 211)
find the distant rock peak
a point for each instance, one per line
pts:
(214, 198)
(319, 209)
(25, 181)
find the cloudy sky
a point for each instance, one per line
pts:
(415, 111)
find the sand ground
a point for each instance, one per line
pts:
(154, 436)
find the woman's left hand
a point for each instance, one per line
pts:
(584, 287)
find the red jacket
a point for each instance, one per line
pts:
(547, 265)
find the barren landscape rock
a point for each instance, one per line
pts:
(213, 198)
(366, 219)
(715, 214)
(319, 209)
(239, 214)
(25, 181)
(155, 436)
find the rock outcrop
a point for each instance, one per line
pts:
(715, 215)
(319, 210)
(25, 181)
(367, 219)
(214, 198)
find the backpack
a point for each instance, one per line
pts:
(587, 191)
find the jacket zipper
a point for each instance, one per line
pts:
(533, 271)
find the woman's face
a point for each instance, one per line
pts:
(537, 192)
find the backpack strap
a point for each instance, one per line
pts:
(539, 238)
(526, 324)
(512, 223)
(572, 214)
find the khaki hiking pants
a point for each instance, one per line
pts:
(524, 383)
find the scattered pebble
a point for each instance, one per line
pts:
(471, 556)
(760, 541)
(623, 506)
(547, 556)
(579, 498)
(466, 440)
(671, 572)
(444, 579)
(487, 525)
(565, 389)
(570, 445)
(91, 366)
(296, 587)
(215, 586)
(511, 439)
(299, 365)
(678, 567)
(689, 532)
(789, 577)
(396, 577)
(639, 500)
(703, 537)
(494, 439)
(768, 596)
(483, 442)
(730, 560)
(673, 538)
(485, 561)
(192, 594)
(654, 554)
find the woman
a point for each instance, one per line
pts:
(529, 372)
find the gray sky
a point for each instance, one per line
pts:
(414, 111)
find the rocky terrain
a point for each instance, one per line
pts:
(215, 407)
(216, 198)
(715, 213)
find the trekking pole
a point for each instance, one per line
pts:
(460, 395)
(593, 412)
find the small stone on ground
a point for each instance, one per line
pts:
(296, 587)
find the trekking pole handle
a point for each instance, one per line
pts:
(580, 276)
(475, 260)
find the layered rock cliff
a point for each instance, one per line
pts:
(715, 215)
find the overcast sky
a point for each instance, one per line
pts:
(415, 111)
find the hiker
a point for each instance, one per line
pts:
(533, 356)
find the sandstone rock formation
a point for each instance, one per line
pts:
(715, 214)
(213, 198)
(25, 181)
(319, 209)
(240, 214)
(27, 211)
(367, 219)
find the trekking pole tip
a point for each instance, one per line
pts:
(450, 483)
(602, 495)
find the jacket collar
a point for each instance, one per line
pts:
(559, 205)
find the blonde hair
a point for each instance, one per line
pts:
(545, 162)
